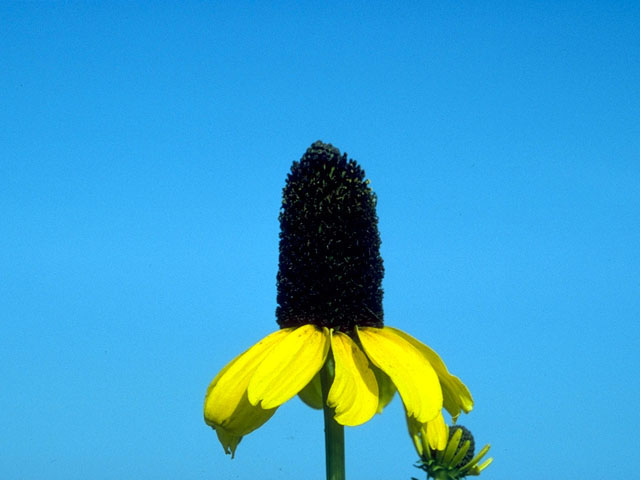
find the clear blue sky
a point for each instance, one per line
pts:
(143, 150)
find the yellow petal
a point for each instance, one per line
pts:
(226, 401)
(386, 388)
(246, 417)
(289, 366)
(312, 393)
(354, 391)
(412, 374)
(437, 433)
(430, 436)
(456, 395)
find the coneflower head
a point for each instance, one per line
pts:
(330, 269)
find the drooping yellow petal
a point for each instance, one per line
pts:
(311, 394)
(290, 365)
(437, 433)
(354, 391)
(412, 374)
(386, 388)
(226, 401)
(456, 395)
(246, 418)
(430, 436)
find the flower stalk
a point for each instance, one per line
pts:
(333, 431)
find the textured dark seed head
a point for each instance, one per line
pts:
(466, 435)
(330, 270)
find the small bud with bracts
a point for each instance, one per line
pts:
(456, 460)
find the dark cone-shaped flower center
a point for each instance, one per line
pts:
(330, 270)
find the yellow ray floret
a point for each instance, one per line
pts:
(437, 432)
(432, 435)
(354, 392)
(227, 393)
(409, 370)
(226, 406)
(456, 395)
(290, 365)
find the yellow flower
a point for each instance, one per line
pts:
(368, 370)
(330, 314)
(454, 458)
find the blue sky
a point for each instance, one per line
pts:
(143, 151)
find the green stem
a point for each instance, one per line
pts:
(333, 431)
(441, 475)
